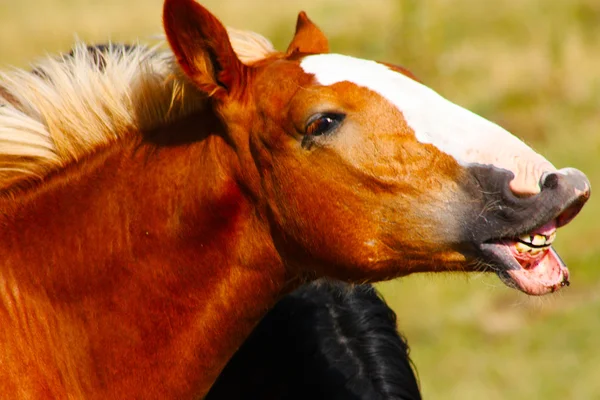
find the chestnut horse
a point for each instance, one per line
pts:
(326, 340)
(156, 208)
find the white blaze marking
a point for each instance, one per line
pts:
(460, 133)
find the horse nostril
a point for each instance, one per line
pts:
(549, 180)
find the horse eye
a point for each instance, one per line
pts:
(321, 124)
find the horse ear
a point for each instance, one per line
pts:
(308, 37)
(201, 46)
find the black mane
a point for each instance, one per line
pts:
(324, 341)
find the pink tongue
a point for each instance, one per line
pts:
(546, 229)
(544, 275)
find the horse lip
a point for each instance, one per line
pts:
(562, 218)
(500, 260)
(547, 274)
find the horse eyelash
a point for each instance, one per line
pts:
(307, 142)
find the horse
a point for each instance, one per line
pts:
(153, 211)
(325, 340)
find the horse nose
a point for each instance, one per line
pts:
(570, 185)
(567, 179)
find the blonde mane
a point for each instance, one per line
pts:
(65, 107)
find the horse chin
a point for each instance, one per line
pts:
(528, 263)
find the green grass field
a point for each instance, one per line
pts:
(531, 65)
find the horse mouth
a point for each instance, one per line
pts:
(529, 263)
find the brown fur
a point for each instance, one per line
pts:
(307, 38)
(139, 267)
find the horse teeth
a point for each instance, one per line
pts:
(526, 238)
(522, 247)
(551, 238)
(535, 251)
(539, 240)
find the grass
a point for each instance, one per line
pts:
(531, 65)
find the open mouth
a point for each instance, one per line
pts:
(530, 264)
(516, 235)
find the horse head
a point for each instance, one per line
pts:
(366, 174)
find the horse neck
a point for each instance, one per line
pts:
(138, 272)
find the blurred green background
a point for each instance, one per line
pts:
(533, 66)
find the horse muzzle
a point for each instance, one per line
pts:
(513, 235)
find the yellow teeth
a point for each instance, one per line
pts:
(526, 238)
(535, 251)
(539, 240)
(533, 244)
(522, 247)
